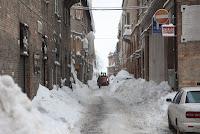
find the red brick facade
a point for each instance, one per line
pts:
(159, 58)
(41, 19)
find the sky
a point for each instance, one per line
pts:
(106, 25)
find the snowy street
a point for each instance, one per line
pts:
(126, 106)
(108, 115)
(119, 109)
(105, 116)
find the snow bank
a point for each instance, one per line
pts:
(60, 105)
(120, 78)
(51, 112)
(145, 99)
(82, 91)
(16, 112)
(93, 83)
(78, 84)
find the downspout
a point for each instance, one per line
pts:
(176, 43)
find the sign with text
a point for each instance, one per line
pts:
(156, 27)
(168, 30)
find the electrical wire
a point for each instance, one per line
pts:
(109, 8)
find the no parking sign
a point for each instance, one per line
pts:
(162, 16)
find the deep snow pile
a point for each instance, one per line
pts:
(51, 112)
(120, 78)
(17, 116)
(145, 99)
(58, 111)
(61, 105)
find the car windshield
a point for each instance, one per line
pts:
(193, 97)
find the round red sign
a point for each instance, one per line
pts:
(162, 16)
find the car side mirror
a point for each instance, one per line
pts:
(169, 100)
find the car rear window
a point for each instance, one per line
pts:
(193, 97)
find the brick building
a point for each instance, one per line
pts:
(112, 68)
(82, 40)
(154, 57)
(127, 44)
(35, 38)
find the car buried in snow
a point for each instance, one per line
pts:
(184, 111)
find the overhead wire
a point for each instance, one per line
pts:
(109, 8)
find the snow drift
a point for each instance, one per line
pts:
(58, 111)
(145, 99)
(16, 112)
(51, 112)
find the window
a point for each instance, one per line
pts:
(57, 48)
(44, 47)
(177, 98)
(66, 16)
(193, 97)
(24, 39)
(36, 63)
(79, 13)
(128, 18)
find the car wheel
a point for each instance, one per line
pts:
(170, 124)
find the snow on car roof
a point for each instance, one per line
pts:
(191, 88)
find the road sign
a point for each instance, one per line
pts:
(162, 16)
(168, 30)
(156, 27)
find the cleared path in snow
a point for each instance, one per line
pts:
(94, 117)
(107, 115)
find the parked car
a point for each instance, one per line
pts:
(103, 81)
(184, 111)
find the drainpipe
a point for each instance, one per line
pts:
(24, 59)
(176, 43)
(52, 77)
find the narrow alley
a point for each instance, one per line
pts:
(99, 66)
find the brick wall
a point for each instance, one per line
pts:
(188, 53)
(14, 12)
